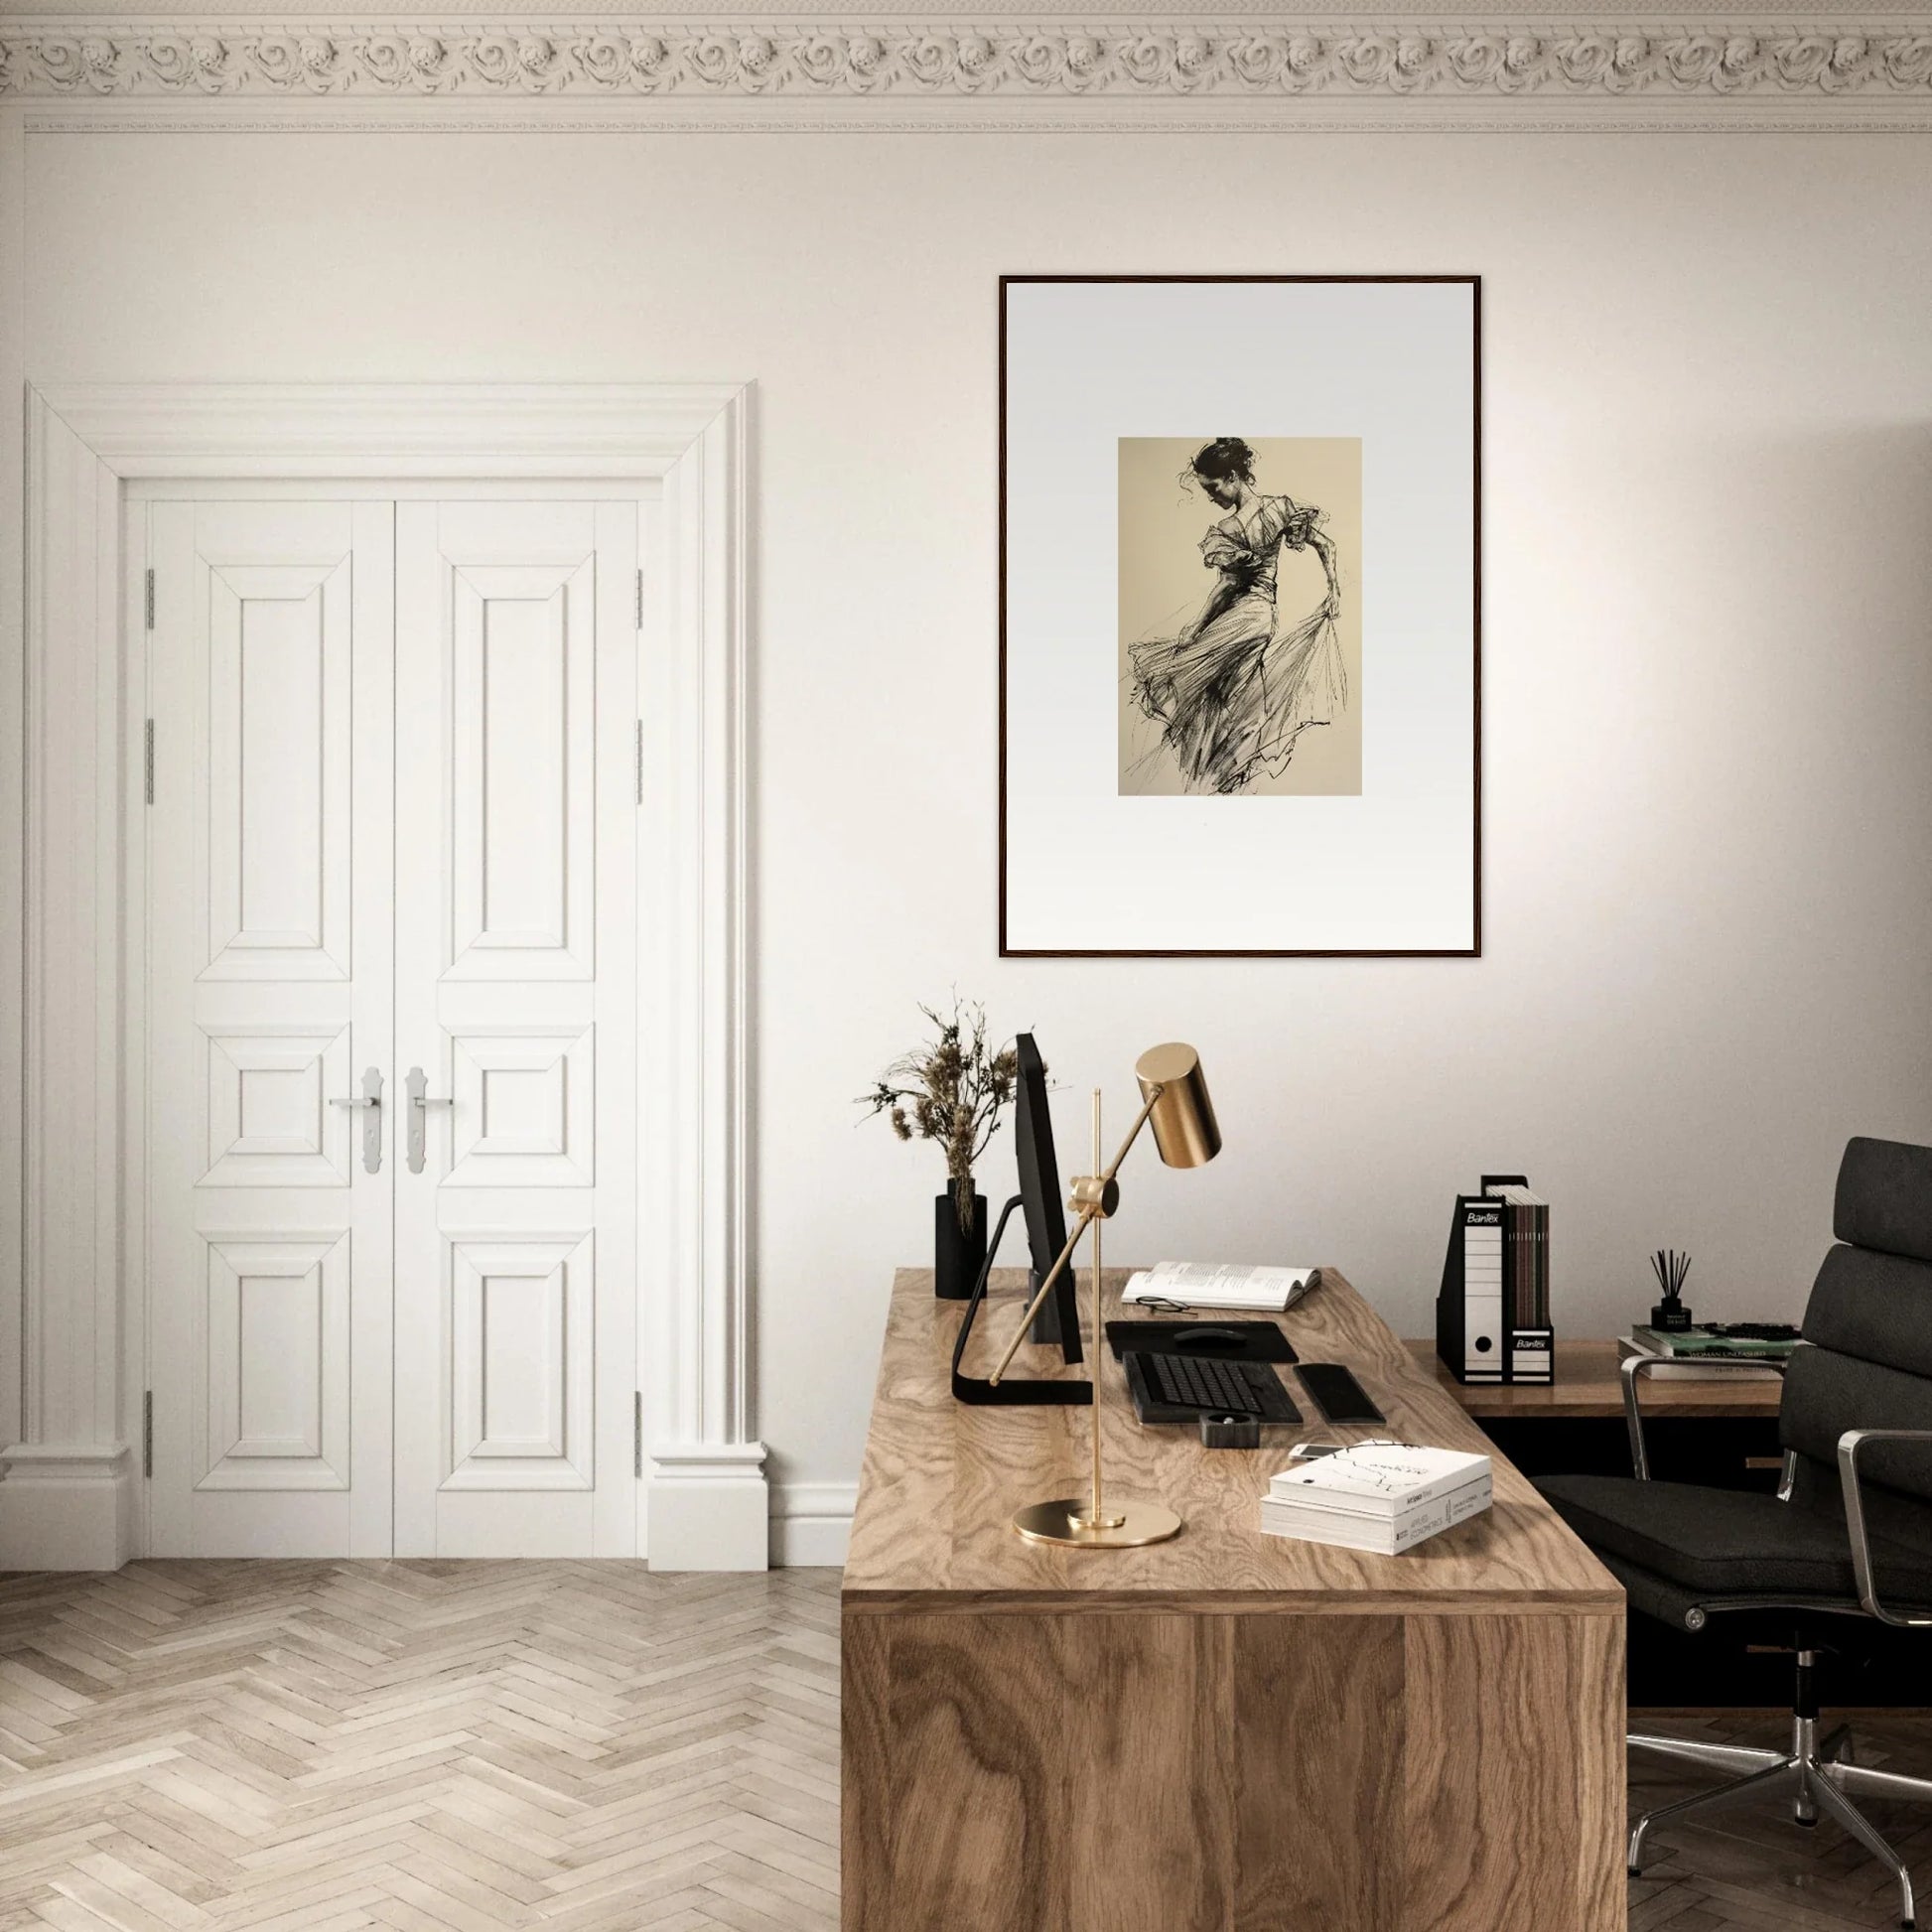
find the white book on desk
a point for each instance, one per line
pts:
(1215, 1284)
(1386, 1534)
(1378, 1478)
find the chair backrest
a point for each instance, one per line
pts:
(1869, 1327)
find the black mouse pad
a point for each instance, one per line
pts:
(1223, 1341)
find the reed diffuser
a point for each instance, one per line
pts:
(1670, 1315)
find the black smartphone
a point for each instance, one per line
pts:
(1336, 1393)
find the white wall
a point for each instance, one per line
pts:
(1708, 646)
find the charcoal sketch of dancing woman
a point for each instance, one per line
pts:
(1233, 690)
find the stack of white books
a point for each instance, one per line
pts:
(1380, 1497)
(1214, 1285)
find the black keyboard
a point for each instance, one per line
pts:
(1204, 1386)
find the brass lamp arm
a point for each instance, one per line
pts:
(1090, 1212)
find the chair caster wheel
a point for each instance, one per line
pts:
(1633, 1871)
(1810, 1823)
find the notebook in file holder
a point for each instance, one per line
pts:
(1493, 1316)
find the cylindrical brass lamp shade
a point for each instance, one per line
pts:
(1182, 1118)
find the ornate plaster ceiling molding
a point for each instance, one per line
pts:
(1830, 69)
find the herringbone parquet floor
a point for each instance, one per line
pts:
(430, 1746)
(460, 1748)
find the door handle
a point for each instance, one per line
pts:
(420, 1102)
(370, 1098)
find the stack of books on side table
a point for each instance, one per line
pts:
(1380, 1497)
(1691, 1354)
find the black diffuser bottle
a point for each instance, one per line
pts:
(1670, 1317)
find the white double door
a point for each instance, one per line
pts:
(390, 859)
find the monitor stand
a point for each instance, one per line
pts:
(1047, 1324)
(1012, 1391)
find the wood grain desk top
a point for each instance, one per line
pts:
(941, 1479)
(1587, 1385)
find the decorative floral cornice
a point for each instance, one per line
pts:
(1120, 61)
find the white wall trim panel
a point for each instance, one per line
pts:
(67, 1506)
(485, 432)
(65, 1487)
(706, 1505)
(811, 1524)
(13, 523)
(1184, 69)
(709, 1507)
(83, 443)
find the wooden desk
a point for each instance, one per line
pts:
(1229, 1732)
(1587, 1385)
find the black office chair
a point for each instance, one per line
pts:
(1849, 1536)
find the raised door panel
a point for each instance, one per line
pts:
(522, 771)
(274, 1394)
(524, 1112)
(278, 743)
(270, 1121)
(523, 1333)
(269, 969)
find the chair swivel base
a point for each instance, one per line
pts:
(1818, 1775)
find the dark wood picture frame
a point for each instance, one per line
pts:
(1475, 950)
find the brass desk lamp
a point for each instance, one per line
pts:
(1174, 1102)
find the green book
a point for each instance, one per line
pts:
(1700, 1341)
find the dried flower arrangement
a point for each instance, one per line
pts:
(952, 1090)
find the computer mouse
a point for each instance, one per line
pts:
(1210, 1339)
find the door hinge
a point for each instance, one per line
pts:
(149, 600)
(640, 599)
(147, 761)
(147, 1433)
(637, 1433)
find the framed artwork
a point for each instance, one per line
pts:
(1240, 615)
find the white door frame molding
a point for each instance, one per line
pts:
(67, 1499)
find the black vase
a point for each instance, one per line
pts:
(958, 1254)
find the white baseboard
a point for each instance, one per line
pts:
(74, 1509)
(707, 1508)
(811, 1524)
(63, 1507)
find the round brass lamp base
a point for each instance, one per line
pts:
(1129, 1525)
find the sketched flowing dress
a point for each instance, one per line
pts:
(1233, 692)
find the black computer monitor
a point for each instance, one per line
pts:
(1039, 1200)
(1040, 1195)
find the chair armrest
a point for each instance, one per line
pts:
(1849, 1445)
(1633, 1367)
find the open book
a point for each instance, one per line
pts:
(1210, 1285)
